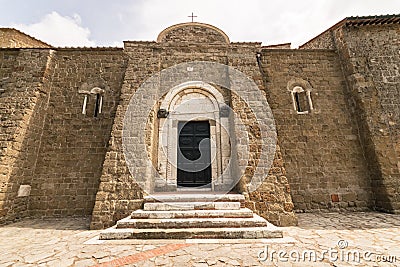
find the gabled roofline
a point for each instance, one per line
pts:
(360, 21)
(33, 38)
(337, 25)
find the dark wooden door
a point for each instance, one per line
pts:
(194, 154)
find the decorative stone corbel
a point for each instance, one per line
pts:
(162, 113)
(224, 111)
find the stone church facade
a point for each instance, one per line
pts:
(335, 103)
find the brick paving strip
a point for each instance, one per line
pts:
(143, 255)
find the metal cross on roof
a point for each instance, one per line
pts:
(192, 16)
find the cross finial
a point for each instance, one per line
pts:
(192, 16)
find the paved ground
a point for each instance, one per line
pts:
(336, 239)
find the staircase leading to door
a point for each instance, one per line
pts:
(192, 215)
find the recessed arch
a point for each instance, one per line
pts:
(208, 102)
(299, 82)
(193, 86)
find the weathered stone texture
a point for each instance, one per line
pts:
(73, 145)
(371, 63)
(194, 33)
(118, 194)
(24, 84)
(370, 60)
(12, 38)
(322, 41)
(47, 142)
(321, 149)
(272, 200)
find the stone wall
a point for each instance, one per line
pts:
(321, 149)
(47, 143)
(12, 38)
(118, 194)
(322, 41)
(272, 200)
(24, 93)
(73, 145)
(370, 60)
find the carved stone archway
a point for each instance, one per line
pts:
(192, 101)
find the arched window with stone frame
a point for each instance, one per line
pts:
(300, 91)
(98, 104)
(93, 92)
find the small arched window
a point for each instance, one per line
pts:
(98, 104)
(302, 103)
(300, 91)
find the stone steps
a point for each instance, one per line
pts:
(270, 231)
(195, 197)
(179, 214)
(255, 221)
(192, 215)
(171, 206)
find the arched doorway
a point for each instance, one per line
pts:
(193, 141)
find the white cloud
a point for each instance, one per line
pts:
(270, 22)
(112, 22)
(58, 30)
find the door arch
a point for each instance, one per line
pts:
(191, 102)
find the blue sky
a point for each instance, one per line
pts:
(108, 23)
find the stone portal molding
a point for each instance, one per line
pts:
(192, 101)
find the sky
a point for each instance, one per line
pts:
(72, 23)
